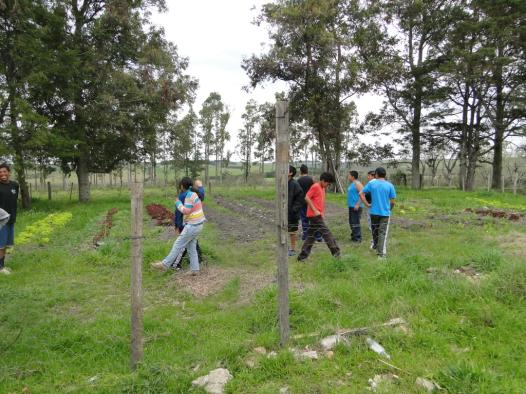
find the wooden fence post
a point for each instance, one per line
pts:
(49, 190)
(136, 274)
(282, 172)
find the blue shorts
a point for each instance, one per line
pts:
(7, 236)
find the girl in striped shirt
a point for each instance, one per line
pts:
(193, 218)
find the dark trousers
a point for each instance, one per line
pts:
(380, 229)
(316, 224)
(354, 223)
(305, 225)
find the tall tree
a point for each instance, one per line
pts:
(111, 79)
(400, 43)
(23, 131)
(311, 48)
(503, 24)
(221, 138)
(209, 119)
(247, 136)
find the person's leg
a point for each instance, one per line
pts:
(383, 230)
(178, 247)
(329, 238)
(375, 222)
(309, 241)
(354, 223)
(2, 258)
(358, 228)
(304, 223)
(199, 252)
(192, 247)
(292, 241)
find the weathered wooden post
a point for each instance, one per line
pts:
(282, 172)
(136, 274)
(49, 190)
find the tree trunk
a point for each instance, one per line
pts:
(498, 122)
(415, 141)
(21, 178)
(83, 177)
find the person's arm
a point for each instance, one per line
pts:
(310, 203)
(392, 196)
(362, 195)
(359, 188)
(297, 201)
(189, 202)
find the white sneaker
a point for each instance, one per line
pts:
(5, 271)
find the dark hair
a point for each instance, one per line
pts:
(327, 177)
(372, 172)
(186, 183)
(292, 170)
(354, 174)
(304, 169)
(6, 166)
(381, 172)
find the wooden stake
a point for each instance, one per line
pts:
(49, 190)
(136, 275)
(282, 172)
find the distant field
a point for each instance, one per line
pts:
(456, 277)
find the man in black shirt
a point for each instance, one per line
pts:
(296, 201)
(8, 201)
(306, 181)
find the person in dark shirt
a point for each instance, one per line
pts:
(8, 202)
(295, 203)
(306, 181)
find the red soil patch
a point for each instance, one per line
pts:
(106, 225)
(161, 214)
(496, 213)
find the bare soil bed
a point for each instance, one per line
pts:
(212, 279)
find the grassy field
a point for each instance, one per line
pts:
(64, 315)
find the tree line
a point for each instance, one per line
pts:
(452, 74)
(92, 85)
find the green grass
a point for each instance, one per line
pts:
(64, 315)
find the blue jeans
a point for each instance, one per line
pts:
(186, 240)
(354, 224)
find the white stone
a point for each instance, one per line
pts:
(260, 350)
(284, 390)
(328, 343)
(426, 384)
(215, 381)
(381, 379)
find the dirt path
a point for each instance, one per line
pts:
(213, 279)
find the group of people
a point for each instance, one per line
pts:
(306, 202)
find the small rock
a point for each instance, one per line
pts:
(284, 390)
(329, 354)
(250, 362)
(25, 390)
(93, 379)
(260, 350)
(272, 354)
(426, 384)
(382, 379)
(215, 381)
(328, 343)
(309, 355)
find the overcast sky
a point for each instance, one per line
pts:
(215, 36)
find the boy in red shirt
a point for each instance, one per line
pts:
(315, 200)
